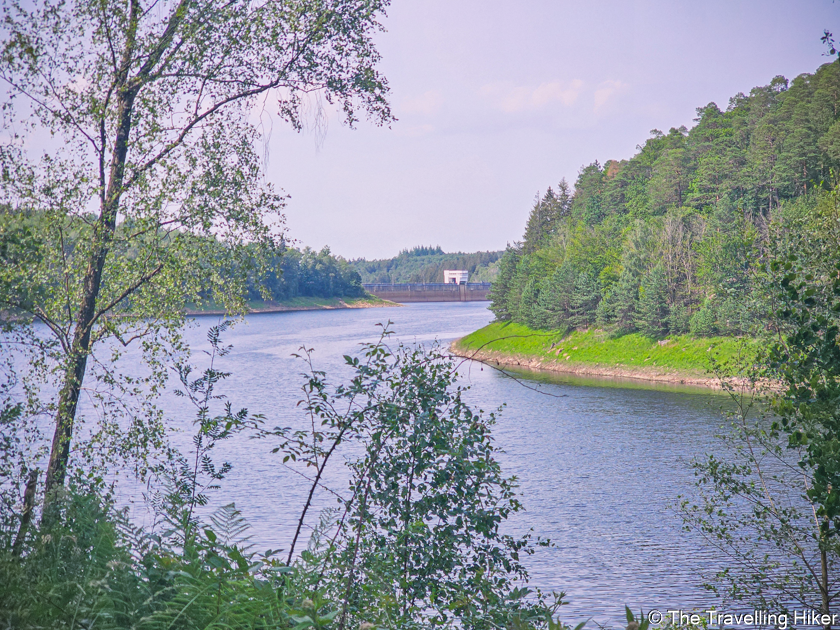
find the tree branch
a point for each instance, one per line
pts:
(127, 292)
(54, 326)
(258, 89)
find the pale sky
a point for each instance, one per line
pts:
(496, 101)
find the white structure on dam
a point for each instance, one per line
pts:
(455, 276)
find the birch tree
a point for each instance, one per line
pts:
(131, 176)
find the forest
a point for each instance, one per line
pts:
(292, 272)
(672, 240)
(426, 264)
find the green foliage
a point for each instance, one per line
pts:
(583, 301)
(625, 300)
(502, 294)
(306, 273)
(92, 569)
(587, 205)
(652, 312)
(555, 300)
(704, 322)
(772, 503)
(806, 359)
(417, 539)
(676, 234)
(545, 218)
(88, 567)
(151, 193)
(529, 310)
(758, 507)
(422, 250)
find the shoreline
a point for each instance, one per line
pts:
(613, 372)
(283, 308)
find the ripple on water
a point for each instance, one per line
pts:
(599, 469)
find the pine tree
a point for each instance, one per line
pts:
(549, 304)
(554, 300)
(530, 313)
(625, 297)
(605, 313)
(589, 188)
(546, 216)
(652, 315)
(584, 300)
(500, 295)
(535, 227)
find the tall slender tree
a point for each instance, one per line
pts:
(151, 173)
(546, 216)
(625, 298)
(584, 300)
(502, 301)
(652, 313)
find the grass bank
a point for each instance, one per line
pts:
(299, 304)
(677, 359)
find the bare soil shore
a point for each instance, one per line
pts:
(587, 369)
(283, 308)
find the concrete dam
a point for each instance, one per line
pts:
(431, 292)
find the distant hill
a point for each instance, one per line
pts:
(426, 264)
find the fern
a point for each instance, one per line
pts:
(229, 526)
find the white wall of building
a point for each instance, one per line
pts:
(455, 276)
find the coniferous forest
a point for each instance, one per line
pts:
(671, 241)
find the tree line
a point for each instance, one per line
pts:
(667, 242)
(426, 264)
(305, 273)
(258, 272)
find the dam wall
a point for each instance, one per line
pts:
(431, 292)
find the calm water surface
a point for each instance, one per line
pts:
(599, 468)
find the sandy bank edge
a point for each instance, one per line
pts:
(279, 308)
(584, 369)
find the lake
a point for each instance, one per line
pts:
(600, 467)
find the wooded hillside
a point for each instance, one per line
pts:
(671, 240)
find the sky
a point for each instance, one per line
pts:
(496, 101)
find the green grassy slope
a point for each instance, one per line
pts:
(680, 353)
